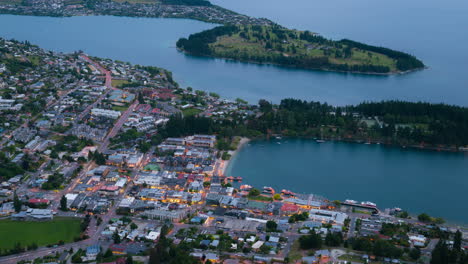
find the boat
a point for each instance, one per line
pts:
(367, 143)
(320, 141)
(370, 204)
(278, 137)
(351, 201)
(239, 179)
(287, 192)
(279, 143)
(268, 190)
(245, 187)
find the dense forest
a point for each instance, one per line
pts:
(302, 49)
(389, 122)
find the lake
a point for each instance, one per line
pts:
(435, 35)
(417, 181)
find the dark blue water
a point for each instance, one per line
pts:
(435, 31)
(418, 181)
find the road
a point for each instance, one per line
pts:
(107, 73)
(117, 126)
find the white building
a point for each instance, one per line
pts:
(105, 113)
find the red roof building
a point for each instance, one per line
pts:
(38, 201)
(289, 208)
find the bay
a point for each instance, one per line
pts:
(417, 181)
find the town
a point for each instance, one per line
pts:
(199, 10)
(108, 162)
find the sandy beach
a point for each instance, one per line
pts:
(225, 163)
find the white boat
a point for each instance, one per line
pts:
(268, 190)
(320, 141)
(369, 204)
(351, 201)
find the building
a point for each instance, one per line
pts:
(105, 113)
(175, 215)
(326, 216)
(92, 252)
(34, 214)
(175, 141)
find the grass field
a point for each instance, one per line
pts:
(295, 253)
(352, 258)
(117, 83)
(119, 108)
(253, 44)
(41, 233)
(191, 112)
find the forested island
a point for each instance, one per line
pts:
(302, 49)
(419, 125)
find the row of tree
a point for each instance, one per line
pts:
(405, 61)
(444, 254)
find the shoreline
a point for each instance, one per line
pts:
(413, 215)
(387, 74)
(233, 153)
(430, 148)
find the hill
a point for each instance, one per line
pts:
(294, 48)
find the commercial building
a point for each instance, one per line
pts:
(105, 113)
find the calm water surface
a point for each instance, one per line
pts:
(432, 30)
(418, 181)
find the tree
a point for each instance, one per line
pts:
(141, 99)
(264, 105)
(403, 214)
(133, 226)
(271, 226)
(254, 192)
(264, 249)
(415, 253)
(108, 253)
(277, 196)
(311, 241)
(154, 256)
(424, 217)
(129, 260)
(16, 203)
(63, 203)
(116, 237)
(457, 241)
(333, 239)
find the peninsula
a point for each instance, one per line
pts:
(302, 49)
(241, 37)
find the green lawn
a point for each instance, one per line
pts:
(42, 233)
(119, 108)
(191, 112)
(351, 258)
(261, 198)
(118, 83)
(250, 43)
